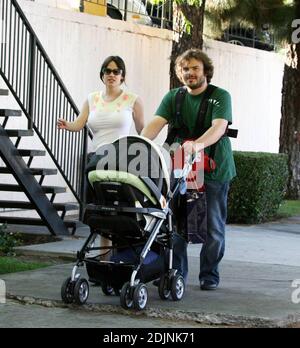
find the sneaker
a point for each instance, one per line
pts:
(208, 285)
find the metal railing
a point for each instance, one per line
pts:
(161, 15)
(139, 11)
(250, 37)
(32, 79)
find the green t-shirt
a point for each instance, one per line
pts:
(219, 106)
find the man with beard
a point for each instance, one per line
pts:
(195, 70)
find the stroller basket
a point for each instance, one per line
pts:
(116, 274)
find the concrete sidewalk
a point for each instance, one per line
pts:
(257, 272)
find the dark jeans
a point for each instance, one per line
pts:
(213, 249)
(180, 259)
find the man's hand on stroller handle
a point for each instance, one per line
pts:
(191, 150)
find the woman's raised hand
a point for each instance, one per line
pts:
(62, 124)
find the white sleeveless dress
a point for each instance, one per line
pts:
(110, 120)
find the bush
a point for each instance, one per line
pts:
(259, 187)
(8, 241)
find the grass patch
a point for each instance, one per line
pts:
(289, 208)
(12, 264)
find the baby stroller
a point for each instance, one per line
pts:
(132, 208)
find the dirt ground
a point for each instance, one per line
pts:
(30, 239)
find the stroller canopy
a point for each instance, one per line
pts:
(135, 155)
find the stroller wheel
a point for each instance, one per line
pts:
(126, 296)
(106, 289)
(140, 297)
(163, 288)
(177, 287)
(67, 291)
(81, 291)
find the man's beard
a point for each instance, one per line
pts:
(198, 84)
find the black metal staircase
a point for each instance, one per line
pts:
(42, 97)
(27, 183)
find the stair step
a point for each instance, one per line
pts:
(19, 132)
(9, 112)
(36, 222)
(46, 189)
(29, 205)
(34, 171)
(3, 91)
(31, 153)
(21, 221)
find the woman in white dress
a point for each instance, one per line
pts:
(110, 113)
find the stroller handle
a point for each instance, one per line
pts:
(191, 158)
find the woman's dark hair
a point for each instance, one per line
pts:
(119, 62)
(198, 55)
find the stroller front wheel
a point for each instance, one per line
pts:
(67, 291)
(126, 296)
(140, 297)
(177, 287)
(163, 288)
(81, 291)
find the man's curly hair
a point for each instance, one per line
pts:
(198, 55)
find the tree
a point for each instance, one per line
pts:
(290, 114)
(189, 17)
(279, 15)
(188, 20)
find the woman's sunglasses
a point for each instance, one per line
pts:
(107, 71)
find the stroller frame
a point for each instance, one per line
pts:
(134, 293)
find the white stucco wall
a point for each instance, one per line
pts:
(254, 79)
(78, 43)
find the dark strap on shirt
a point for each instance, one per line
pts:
(177, 128)
(181, 128)
(199, 129)
(182, 131)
